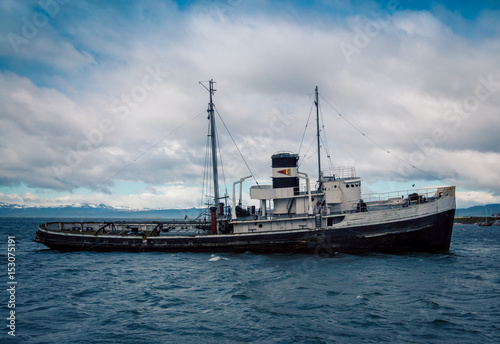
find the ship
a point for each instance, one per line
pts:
(293, 216)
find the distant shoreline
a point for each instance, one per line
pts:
(475, 219)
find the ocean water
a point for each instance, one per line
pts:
(122, 297)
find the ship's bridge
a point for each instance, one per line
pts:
(341, 188)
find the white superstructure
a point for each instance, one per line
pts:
(336, 204)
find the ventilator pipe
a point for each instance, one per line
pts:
(263, 208)
(233, 210)
(305, 176)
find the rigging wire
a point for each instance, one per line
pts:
(305, 154)
(325, 142)
(221, 165)
(323, 138)
(206, 168)
(132, 162)
(234, 142)
(305, 129)
(330, 164)
(380, 146)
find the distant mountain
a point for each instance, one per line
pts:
(479, 210)
(106, 211)
(94, 211)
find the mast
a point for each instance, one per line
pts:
(316, 102)
(213, 137)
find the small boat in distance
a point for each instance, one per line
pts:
(292, 217)
(486, 222)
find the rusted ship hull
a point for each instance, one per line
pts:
(431, 233)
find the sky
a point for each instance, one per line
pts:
(100, 102)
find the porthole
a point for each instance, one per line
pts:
(347, 185)
(260, 225)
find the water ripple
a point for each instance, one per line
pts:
(89, 297)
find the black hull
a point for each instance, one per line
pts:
(427, 234)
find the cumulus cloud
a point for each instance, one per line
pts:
(112, 92)
(472, 198)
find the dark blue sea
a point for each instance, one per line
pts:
(120, 297)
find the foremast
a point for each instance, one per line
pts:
(213, 140)
(216, 210)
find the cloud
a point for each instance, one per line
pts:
(174, 196)
(100, 85)
(471, 198)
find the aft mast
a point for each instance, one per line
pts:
(316, 102)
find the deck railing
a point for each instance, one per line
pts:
(397, 197)
(340, 172)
